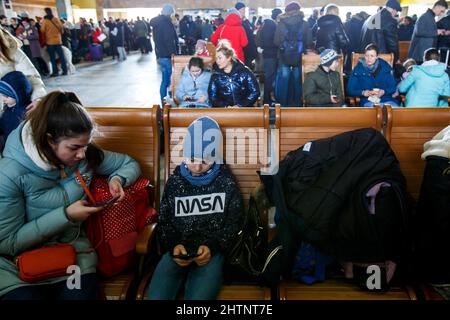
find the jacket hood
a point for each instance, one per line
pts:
(233, 20)
(290, 18)
(21, 86)
(14, 149)
(435, 71)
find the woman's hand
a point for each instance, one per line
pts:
(204, 256)
(187, 98)
(202, 99)
(180, 249)
(115, 187)
(80, 211)
(380, 93)
(367, 93)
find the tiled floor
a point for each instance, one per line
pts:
(132, 83)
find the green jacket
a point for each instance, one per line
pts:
(320, 85)
(32, 207)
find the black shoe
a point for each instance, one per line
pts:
(64, 74)
(54, 75)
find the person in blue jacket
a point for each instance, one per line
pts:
(427, 82)
(15, 91)
(192, 90)
(42, 203)
(372, 80)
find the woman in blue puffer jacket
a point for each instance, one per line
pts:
(41, 200)
(232, 84)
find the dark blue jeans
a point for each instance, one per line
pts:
(289, 86)
(202, 283)
(166, 70)
(270, 71)
(57, 291)
(51, 52)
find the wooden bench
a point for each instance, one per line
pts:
(253, 120)
(179, 62)
(133, 131)
(298, 126)
(403, 48)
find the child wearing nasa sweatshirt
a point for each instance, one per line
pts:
(200, 215)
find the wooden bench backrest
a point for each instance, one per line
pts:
(179, 62)
(298, 126)
(388, 57)
(133, 131)
(176, 122)
(310, 62)
(403, 48)
(407, 130)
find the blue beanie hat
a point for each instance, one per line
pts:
(16, 85)
(394, 5)
(204, 141)
(239, 6)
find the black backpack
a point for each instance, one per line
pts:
(291, 48)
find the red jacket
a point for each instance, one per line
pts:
(233, 31)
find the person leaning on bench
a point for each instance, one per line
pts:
(322, 87)
(42, 201)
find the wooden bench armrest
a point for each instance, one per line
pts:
(145, 238)
(353, 101)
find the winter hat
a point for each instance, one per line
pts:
(275, 13)
(8, 91)
(239, 6)
(394, 5)
(327, 57)
(24, 15)
(15, 85)
(292, 6)
(167, 10)
(204, 141)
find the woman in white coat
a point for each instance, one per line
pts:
(14, 59)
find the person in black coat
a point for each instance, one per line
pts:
(166, 44)
(264, 40)
(381, 29)
(405, 30)
(250, 51)
(330, 31)
(353, 30)
(232, 84)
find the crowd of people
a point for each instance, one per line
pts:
(47, 137)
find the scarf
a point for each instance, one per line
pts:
(202, 180)
(371, 68)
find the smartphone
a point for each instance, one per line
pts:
(186, 256)
(104, 203)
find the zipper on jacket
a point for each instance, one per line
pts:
(232, 91)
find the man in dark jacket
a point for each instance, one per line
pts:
(381, 29)
(166, 44)
(264, 40)
(250, 51)
(405, 30)
(444, 37)
(141, 31)
(323, 88)
(426, 32)
(330, 31)
(353, 30)
(291, 25)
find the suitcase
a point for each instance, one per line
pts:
(96, 52)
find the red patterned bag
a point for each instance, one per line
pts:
(114, 230)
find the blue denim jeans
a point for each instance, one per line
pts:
(289, 86)
(166, 70)
(57, 291)
(201, 283)
(370, 104)
(52, 49)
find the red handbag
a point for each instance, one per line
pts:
(114, 230)
(46, 262)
